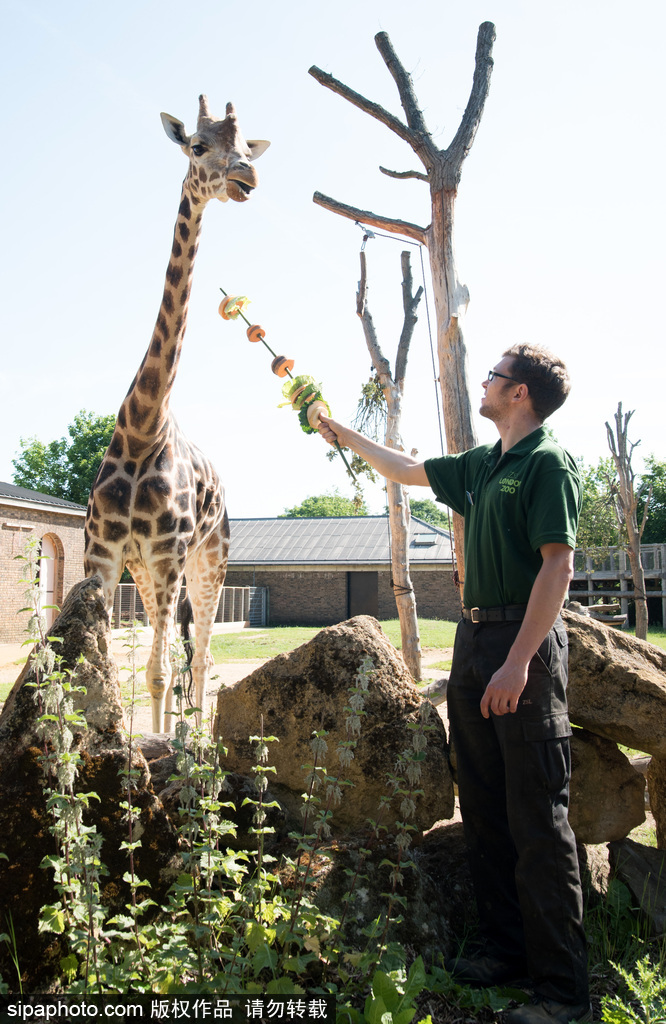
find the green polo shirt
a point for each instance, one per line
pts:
(512, 504)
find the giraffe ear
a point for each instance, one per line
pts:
(257, 147)
(175, 129)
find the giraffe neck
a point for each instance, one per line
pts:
(145, 411)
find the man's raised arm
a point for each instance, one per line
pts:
(392, 464)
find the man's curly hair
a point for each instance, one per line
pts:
(546, 376)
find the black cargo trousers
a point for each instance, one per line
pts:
(513, 778)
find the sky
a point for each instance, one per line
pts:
(559, 216)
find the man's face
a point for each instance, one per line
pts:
(496, 401)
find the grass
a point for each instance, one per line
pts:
(656, 635)
(254, 644)
(266, 643)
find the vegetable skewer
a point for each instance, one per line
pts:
(303, 393)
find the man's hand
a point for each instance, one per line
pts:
(390, 462)
(326, 428)
(504, 690)
(545, 603)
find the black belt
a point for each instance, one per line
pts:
(507, 613)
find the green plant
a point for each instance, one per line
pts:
(467, 999)
(645, 988)
(612, 926)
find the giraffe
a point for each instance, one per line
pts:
(157, 505)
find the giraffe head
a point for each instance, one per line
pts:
(220, 158)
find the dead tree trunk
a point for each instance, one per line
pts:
(393, 386)
(626, 506)
(443, 170)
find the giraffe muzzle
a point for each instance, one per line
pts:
(239, 190)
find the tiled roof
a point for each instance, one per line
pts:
(15, 493)
(343, 540)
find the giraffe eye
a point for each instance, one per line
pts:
(198, 150)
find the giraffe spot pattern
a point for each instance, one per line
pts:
(149, 382)
(142, 527)
(174, 274)
(163, 326)
(115, 496)
(114, 530)
(138, 413)
(166, 523)
(99, 551)
(151, 494)
(115, 449)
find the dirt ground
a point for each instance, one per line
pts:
(225, 673)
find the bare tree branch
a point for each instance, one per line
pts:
(409, 304)
(396, 227)
(404, 174)
(379, 360)
(374, 109)
(421, 140)
(464, 137)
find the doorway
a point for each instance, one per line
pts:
(48, 556)
(362, 593)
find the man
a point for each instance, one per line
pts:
(506, 696)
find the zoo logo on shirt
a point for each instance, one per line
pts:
(508, 485)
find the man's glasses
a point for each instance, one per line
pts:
(493, 373)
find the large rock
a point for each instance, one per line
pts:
(643, 869)
(440, 910)
(617, 685)
(607, 795)
(104, 749)
(308, 690)
(656, 780)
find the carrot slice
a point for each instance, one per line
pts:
(281, 365)
(256, 332)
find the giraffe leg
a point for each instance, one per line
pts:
(158, 669)
(110, 572)
(205, 574)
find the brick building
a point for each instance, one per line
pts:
(322, 571)
(59, 526)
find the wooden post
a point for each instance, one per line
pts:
(393, 385)
(626, 505)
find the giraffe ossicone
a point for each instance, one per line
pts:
(157, 505)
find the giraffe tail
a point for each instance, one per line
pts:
(186, 619)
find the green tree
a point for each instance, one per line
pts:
(429, 512)
(65, 468)
(655, 475)
(324, 506)
(598, 525)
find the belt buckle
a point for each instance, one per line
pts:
(474, 612)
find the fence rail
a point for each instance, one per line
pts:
(614, 561)
(237, 604)
(607, 573)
